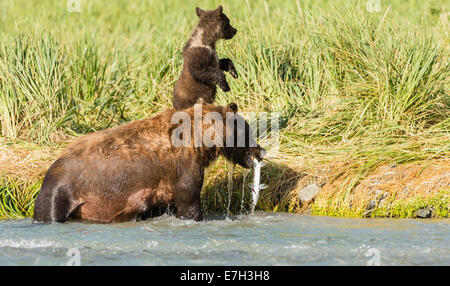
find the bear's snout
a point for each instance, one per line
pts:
(231, 33)
(257, 153)
(234, 31)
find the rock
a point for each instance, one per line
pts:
(308, 193)
(371, 205)
(423, 213)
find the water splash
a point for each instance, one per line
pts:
(244, 179)
(230, 166)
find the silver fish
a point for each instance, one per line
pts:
(256, 187)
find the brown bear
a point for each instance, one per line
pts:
(202, 69)
(128, 172)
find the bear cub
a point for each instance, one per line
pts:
(202, 69)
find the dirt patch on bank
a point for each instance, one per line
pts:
(401, 182)
(341, 191)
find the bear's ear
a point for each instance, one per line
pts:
(219, 10)
(199, 11)
(232, 107)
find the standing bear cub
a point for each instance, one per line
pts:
(202, 69)
(131, 171)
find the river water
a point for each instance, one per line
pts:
(258, 239)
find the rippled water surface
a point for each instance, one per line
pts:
(259, 239)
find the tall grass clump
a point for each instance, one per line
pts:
(17, 198)
(48, 89)
(33, 88)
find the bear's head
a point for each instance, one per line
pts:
(215, 23)
(215, 130)
(241, 147)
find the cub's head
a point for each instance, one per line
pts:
(215, 23)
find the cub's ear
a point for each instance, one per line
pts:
(219, 9)
(199, 11)
(232, 107)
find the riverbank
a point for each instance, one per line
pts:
(412, 190)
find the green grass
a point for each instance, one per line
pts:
(391, 208)
(367, 88)
(404, 209)
(17, 198)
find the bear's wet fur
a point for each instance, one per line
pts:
(134, 170)
(202, 70)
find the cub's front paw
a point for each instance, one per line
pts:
(223, 84)
(225, 87)
(232, 70)
(233, 73)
